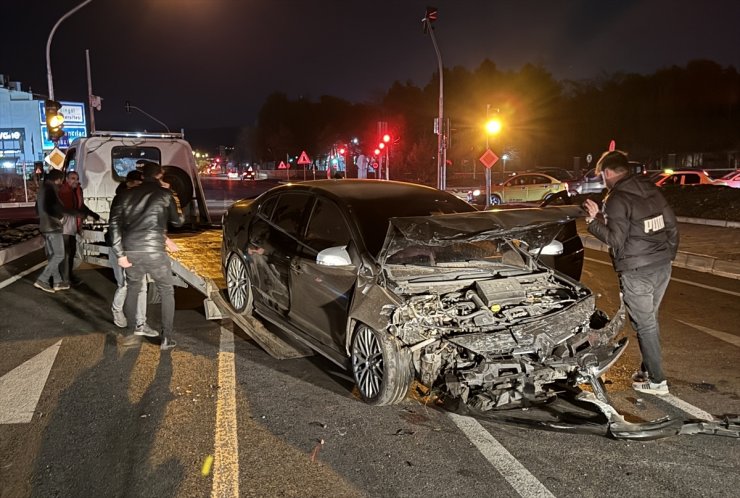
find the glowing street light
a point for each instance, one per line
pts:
(493, 126)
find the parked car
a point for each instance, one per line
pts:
(398, 282)
(731, 179)
(527, 187)
(592, 183)
(688, 177)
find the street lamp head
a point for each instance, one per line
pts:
(493, 126)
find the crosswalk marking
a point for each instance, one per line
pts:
(21, 388)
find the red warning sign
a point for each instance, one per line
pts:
(304, 158)
(282, 165)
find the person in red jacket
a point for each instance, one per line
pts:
(70, 193)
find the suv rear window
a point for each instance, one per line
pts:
(124, 159)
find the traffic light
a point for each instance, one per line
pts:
(386, 138)
(54, 120)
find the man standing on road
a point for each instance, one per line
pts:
(51, 222)
(70, 193)
(138, 227)
(640, 229)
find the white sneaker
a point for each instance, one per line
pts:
(659, 389)
(146, 330)
(119, 319)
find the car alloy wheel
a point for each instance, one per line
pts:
(381, 368)
(495, 200)
(238, 285)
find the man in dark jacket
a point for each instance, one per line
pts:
(640, 229)
(51, 223)
(138, 229)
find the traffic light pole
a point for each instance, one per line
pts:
(441, 131)
(48, 46)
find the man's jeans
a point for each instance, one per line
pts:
(54, 245)
(643, 290)
(157, 265)
(119, 296)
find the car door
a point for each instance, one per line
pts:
(321, 294)
(272, 245)
(537, 187)
(515, 189)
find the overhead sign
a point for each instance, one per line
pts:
(283, 165)
(488, 158)
(304, 158)
(70, 133)
(55, 159)
(73, 112)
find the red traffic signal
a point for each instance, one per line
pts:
(386, 138)
(376, 152)
(341, 151)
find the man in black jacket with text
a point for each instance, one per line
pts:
(138, 229)
(640, 229)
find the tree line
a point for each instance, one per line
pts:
(546, 122)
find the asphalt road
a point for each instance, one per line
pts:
(108, 421)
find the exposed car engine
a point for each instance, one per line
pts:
(502, 342)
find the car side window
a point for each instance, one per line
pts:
(290, 211)
(266, 208)
(691, 179)
(538, 180)
(326, 227)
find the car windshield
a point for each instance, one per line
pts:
(559, 174)
(373, 214)
(729, 176)
(494, 252)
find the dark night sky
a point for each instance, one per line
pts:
(211, 63)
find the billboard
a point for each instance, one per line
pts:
(70, 133)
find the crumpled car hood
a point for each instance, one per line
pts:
(536, 226)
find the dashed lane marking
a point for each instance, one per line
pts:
(226, 453)
(22, 274)
(686, 407)
(723, 336)
(509, 467)
(21, 388)
(679, 280)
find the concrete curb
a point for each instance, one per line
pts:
(690, 261)
(703, 221)
(18, 250)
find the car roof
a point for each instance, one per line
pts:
(349, 189)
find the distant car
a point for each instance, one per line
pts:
(731, 179)
(397, 282)
(687, 177)
(249, 174)
(592, 183)
(528, 187)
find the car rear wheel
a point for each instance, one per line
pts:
(381, 368)
(495, 200)
(238, 285)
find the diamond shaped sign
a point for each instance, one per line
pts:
(488, 158)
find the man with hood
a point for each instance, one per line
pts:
(640, 229)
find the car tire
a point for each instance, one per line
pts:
(381, 368)
(238, 285)
(180, 184)
(495, 200)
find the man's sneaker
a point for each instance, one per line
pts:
(640, 376)
(131, 340)
(61, 286)
(659, 389)
(167, 344)
(119, 319)
(145, 330)
(44, 286)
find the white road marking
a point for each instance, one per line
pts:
(723, 336)
(226, 452)
(21, 388)
(509, 467)
(686, 407)
(679, 280)
(22, 274)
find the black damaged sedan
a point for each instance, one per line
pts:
(398, 282)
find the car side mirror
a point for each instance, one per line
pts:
(334, 256)
(554, 248)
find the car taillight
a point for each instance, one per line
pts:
(566, 185)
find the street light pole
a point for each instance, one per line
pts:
(441, 137)
(48, 46)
